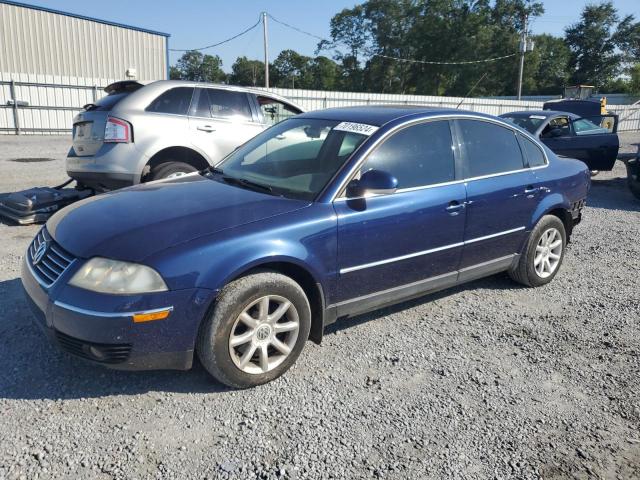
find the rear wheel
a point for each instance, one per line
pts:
(541, 260)
(257, 330)
(170, 169)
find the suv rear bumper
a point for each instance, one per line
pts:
(115, 165)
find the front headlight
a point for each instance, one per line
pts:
(111, 276)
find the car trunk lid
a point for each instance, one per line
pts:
(88, 125)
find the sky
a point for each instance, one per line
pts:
(197, 23)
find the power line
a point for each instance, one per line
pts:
(444, 63)
(296, 28)
(219, 43)
(425, 62)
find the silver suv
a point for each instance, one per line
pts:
(164, 129)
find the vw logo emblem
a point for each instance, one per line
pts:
(40, 253)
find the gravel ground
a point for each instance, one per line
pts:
(489, 380)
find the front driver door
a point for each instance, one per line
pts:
(220, 120)
(393, 245)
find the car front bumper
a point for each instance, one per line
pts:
(100, 328)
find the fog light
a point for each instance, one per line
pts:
(96, 353)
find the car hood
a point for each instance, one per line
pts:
(136, 222)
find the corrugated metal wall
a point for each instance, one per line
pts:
(45, 43)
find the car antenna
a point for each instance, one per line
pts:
(472, 89)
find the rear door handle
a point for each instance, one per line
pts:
(206, 128)
(531, 189)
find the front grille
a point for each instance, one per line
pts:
(52, 263)
(97, 352)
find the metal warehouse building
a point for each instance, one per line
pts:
(52, 63)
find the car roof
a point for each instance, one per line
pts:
(542, 113)
(378, 115)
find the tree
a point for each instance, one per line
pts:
(247, 72)
(349, 30)
(594, 57)
(547, 67)
(325, 73)
(634, 83)
(292, 70)
(194, 65)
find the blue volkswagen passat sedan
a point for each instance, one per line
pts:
(325, 215)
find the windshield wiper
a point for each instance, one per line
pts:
(247, 184)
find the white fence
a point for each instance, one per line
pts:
(39, 104)
(316, 99)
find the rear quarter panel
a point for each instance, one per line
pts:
(565, 181)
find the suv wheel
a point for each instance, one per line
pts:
(256, 330)
(543, 255)
(171, 170)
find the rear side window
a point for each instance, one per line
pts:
(489, 148)
(212, 102)
(175, 101)
(534, 154)
(106, 103)
(417, 156)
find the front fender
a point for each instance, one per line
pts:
(305, 238)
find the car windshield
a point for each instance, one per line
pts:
(295, 158)
(529, 122)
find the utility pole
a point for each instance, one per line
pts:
(523, 49)
(266, 49)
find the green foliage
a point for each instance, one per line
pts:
(245, 72)
(600, 48)
(194, 65)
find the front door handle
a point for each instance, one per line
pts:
(206, 128)
(455, 207)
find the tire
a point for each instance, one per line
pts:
(170, 169)
(525, 272)
(633, 177)
(245, 296)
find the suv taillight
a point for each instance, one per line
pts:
(117, 131)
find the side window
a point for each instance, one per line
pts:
(417, 156)
(212, 102)
(557, 127)
(175, 100)
(586, 127)
(533, 153)
(489, 148)
(275, 111)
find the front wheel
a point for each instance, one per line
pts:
(171, 169)
(541, 260)
(257, 330)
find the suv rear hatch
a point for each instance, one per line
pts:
(88, 125)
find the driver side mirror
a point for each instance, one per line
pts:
(376, 182)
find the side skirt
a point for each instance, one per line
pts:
(384, 298)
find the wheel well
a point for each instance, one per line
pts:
(565, 218)
(177, 154)
(311, 288)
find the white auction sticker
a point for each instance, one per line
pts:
(361, 128)
(537, 117)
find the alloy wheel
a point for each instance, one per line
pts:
(548, 253)
(264, 334)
